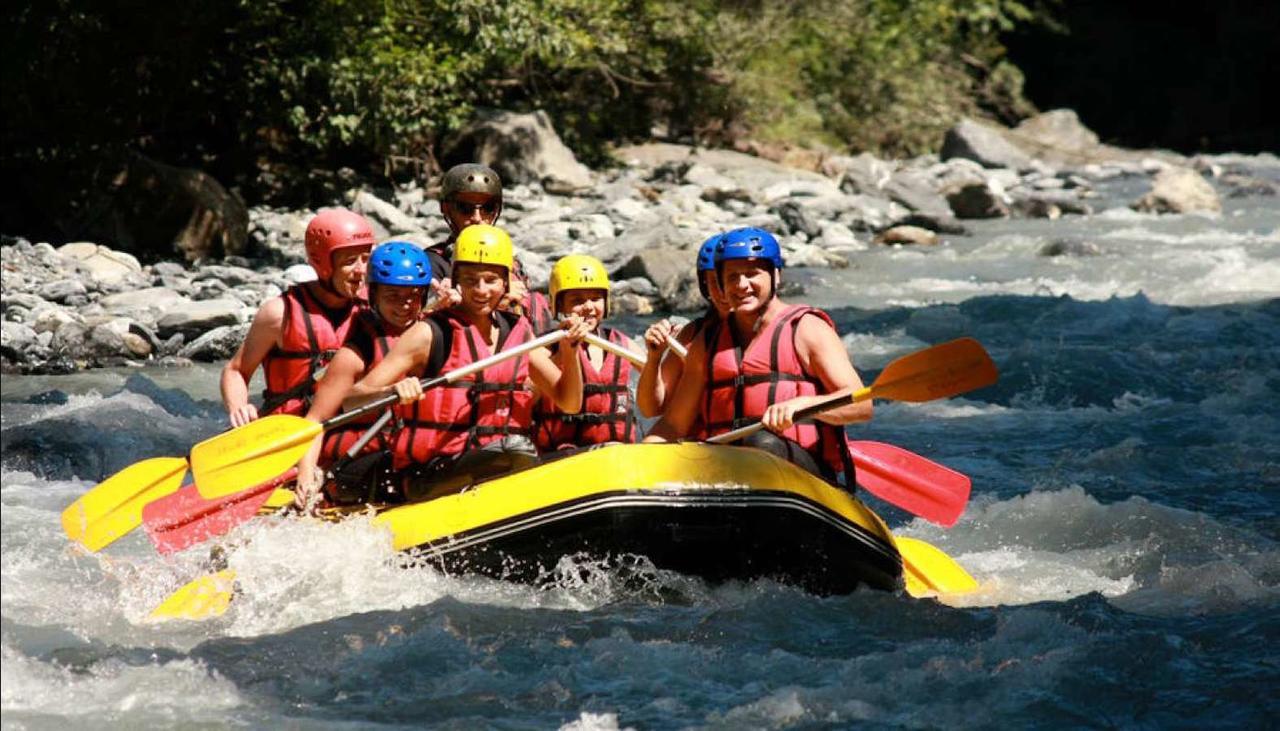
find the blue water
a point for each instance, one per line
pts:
(1124, 528)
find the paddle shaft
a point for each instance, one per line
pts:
(454, 375)
(805, 413)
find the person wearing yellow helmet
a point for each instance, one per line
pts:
(580, 287)
(472, 428)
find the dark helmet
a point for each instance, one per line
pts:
(470, 178)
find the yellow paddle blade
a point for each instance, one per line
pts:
(205, 598)
(936, 372)
(927, 570)
(281, 497)
(114, 506)
(250, 455)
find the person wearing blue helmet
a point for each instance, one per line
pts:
(661, 374)
(399, 277)
(764, 362)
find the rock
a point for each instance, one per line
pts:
(103, 265)
(522, 148)
(984, 144)
(976, 199)
(156, 209)
(911, 235)
(300, 274)
(630, 303)
(142, 304)
(218, 344)
(1036, 208)
(16, 337)
(51, 318)
(914, 191)
(106, 340)
(864, 173)
(62, 290)
(798, 219)
(168, 269)
(193, 318)
(137, 345)
(706, 176)
(1179, 190)
(1070, 247)
(667, 268)
(941, 224)
(232, 276)
(387, 214)
(629, 209)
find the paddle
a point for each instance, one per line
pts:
(204, 598)
(264, 448)
(927, 570)
(917, 485)
(114, 506)
(905, 479)
(933, 373)
(186, 518)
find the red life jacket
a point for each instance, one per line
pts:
(372, 338)
(606, 414)
(741, 385)
(698, 431)
(538, 310)
(473, 411)
(311, 335)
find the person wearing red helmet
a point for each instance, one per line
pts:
(294, 336)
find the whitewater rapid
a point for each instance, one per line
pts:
(1124, 530)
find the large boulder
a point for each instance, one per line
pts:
(102, 265)
(194, 318)
(984, 144)
(522, 148)
(1179, 190)
(154, 210)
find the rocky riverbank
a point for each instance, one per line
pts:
(84, 304)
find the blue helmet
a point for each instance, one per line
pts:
(707, 253)
(749, 243)
(399, 264)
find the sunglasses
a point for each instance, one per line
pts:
(466, 209)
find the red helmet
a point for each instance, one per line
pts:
(333, 229)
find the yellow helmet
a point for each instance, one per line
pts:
(578, 271)
(484, 244)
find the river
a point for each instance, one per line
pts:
(1124, 528)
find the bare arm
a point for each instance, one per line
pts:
(408, 355)
(561, 377)
(683, 406)
(263, 334)
(341, 375)
(662, 371)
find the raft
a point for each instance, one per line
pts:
(720, 513)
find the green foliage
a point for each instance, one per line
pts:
(236, 87)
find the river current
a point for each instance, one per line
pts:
(1124, 527)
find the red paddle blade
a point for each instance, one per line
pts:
(185, 518)
(917, 485)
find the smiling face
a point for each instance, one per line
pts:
(589, 304)
(348, 271)
(482, 287)
(398, 305)
(748, 284)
